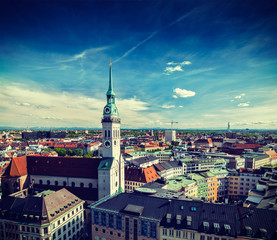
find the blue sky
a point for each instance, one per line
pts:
(200, 63)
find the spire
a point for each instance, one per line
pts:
(110, 91)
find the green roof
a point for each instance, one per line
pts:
(150, 153)
(46, 192)
(219, 171)
(105, 164)
(162, 152)
(177, 183)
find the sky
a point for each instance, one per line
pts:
(199, 63)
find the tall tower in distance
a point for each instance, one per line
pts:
(111, 167)
(229, 127)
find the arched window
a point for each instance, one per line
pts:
(105, 133)
(73, 184)
(109, 133)
(64, 183)
(56, 183)
(48, 182)
(81, 184)
(90, 185)
(40, 181)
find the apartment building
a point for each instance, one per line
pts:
(141, 216)
(256, 160)
(45, 215)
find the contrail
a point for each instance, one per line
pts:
(156, 32)
(135, 47)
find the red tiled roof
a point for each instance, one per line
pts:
(242, 145)
(17, 167)
(272, 154)
(141, 175)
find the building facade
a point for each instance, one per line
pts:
(138, 216)
(46, 215)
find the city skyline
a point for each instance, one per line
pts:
(202, 64)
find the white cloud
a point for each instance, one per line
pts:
(181, 106)
(23, 104)
(243, 104)
(185, 63)
(183, 93)
(169, 70)
(168, 106)
(83, 54)
(24, 107)
(240, 96)
(174, 96)
(232, 100)
(178, 67)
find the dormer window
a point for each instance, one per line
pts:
(178, 219)
(216, 227)
(206, 226)
(193, 209)
(248, 231)
(263, 232)
(189, 220)
(227, 228)
(168, 218)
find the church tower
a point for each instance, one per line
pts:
(111, 168)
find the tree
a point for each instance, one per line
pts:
(70, 152)
(61, 151)
(79, 152)
(89, 155)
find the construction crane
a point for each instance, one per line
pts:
(171, 124)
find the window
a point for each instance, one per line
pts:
(144, 226)
(81, 185)
(48, 182)
(164, 232)
(96, 217)
(111, 220)
(178, 234)
(202, 237)
(64, 183)
(171, 233)
(73, 184)
(56, 183)
(119, 222)
(40, 182)
(103, 219)
(90, 185)
(153, 230)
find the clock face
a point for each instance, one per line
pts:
(107, 110)
(107, 144)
